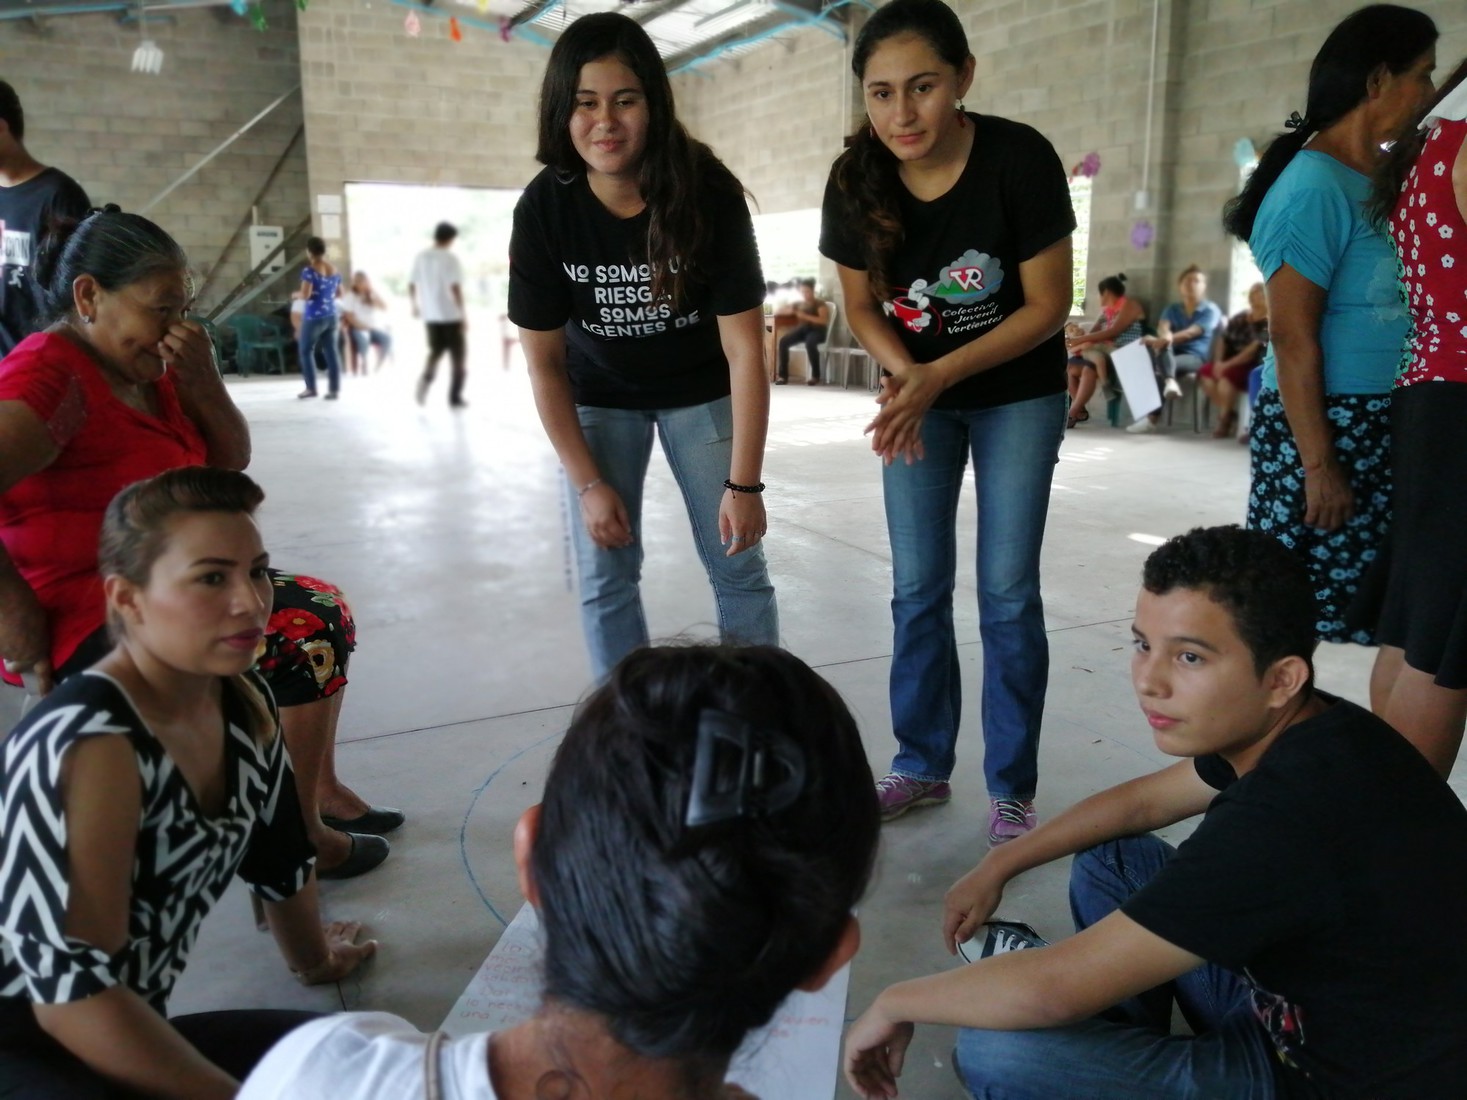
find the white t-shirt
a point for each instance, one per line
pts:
(436, 272)
(366, 1056)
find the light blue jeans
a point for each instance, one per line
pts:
(1127, 1053)
(698, 443)
(320, 331)
(1014, 449)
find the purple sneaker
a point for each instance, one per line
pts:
(1009, 818)
(999, 937)
(896, 794)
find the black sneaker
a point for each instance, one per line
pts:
(999, 937)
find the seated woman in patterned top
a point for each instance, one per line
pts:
(131, 795)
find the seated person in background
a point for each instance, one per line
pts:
(813, 316)
(1236, 350)
(132, 794)
(363, 310)
(731, 877)
(1183, 339)
(1313, 945)
(1122, 321)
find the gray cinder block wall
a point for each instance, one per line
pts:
(126, 136)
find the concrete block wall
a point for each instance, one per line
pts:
(1078, 70)
(126, 136)
(778, 130)
(383, 106)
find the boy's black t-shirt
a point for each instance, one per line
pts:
(26, 213)
(1334, 878)
(955, 274)
(575, 264)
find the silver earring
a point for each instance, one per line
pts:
(87, 319)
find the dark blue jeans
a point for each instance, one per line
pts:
(319, 334)
(1127, 1052)
(1014, 449)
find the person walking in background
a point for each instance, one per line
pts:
(814, 322)
(1415, 595)
(951, 232)
(1321, 435)
(32, 197)
(320, 287)
(436, 291)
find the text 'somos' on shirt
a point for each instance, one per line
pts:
(574, 264)
(955, 275)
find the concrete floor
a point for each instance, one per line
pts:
(447, 532)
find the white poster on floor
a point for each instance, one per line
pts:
(796, 1057)
(1132, 365)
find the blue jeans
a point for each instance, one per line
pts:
(1127, 1052)
(1015, 448)
(319, 333)
(698, 443)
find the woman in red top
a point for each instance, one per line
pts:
(1417, 592)
(119, 388)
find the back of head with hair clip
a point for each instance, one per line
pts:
(685, 938)
(114, 248)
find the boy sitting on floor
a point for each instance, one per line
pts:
(1311, 928)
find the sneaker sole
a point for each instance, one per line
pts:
(892, 815)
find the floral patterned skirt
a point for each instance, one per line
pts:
(1361, 427)
(308, 641)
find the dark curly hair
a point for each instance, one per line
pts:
(684, 947)
(1262, 583)
(866, 173)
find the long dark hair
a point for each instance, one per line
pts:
(1381, 34)
(677, 171)
(1390, 177)
(683, 939)
(114, 248)
(866, 173)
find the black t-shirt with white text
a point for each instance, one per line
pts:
(575, 264)
(955, 275)
(26, 212)
(1333, 877)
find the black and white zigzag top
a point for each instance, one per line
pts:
(184, 859)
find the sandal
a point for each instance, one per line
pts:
(1226, 423)
(1071, 421)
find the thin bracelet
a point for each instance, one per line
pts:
(313, 974)
(759, 488)
(586, 488)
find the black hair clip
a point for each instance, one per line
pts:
(741, 772)
(1295, 121)
(110, 208)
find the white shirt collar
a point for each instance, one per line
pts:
(1452, 108)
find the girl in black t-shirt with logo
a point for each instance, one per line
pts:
(951, 232)
(635, 281)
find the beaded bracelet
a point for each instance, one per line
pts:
(759, 488)
(586, 488)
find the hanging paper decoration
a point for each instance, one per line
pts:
(506, 28)
(240, 7)
(1244, 153)
(454, 31)
(483, 7)
(1090, 166)
(301, 4)
(412, 24)
(257, 18)
(1142, 235)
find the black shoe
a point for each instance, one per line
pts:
(812, 381)
(306, 393)
(377, 821)
(422, 391)
(458, 404)
(781, 381)
(999, 937)
(367, 852)
(332, 396)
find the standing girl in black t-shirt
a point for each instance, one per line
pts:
(635, 281)
(951, 232)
